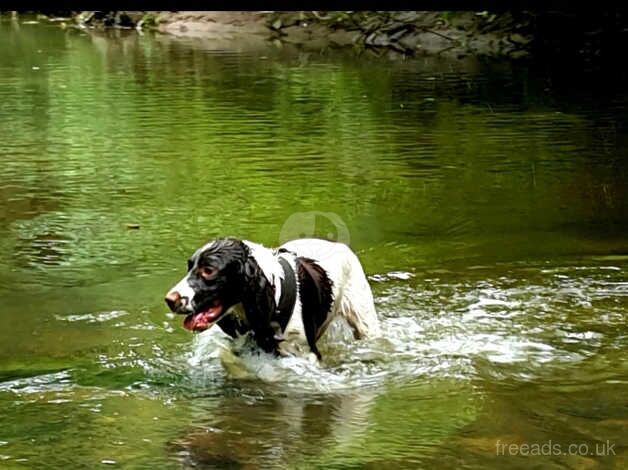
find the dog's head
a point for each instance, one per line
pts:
(212, 285)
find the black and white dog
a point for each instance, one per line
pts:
(289, 294)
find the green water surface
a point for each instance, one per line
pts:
(487, 202)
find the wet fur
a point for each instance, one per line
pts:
(315, 289)
(330, 282)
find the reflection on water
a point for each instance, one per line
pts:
(487, 202)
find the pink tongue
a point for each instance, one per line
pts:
(201, 320)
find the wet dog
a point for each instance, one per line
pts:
(290, 293)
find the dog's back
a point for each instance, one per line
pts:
(352, 296)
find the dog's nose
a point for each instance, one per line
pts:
(173, 299)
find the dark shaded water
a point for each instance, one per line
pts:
(486, 201)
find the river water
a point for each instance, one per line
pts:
(486, 200)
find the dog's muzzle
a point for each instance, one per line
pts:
(176, 303)
(195, 321)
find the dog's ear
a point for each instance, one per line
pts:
(258, 298)
(315, 289)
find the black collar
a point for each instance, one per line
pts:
(288, 294)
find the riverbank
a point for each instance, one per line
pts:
(409, 33)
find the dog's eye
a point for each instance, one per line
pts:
(206, 272)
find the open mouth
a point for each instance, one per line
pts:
(204, 319)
